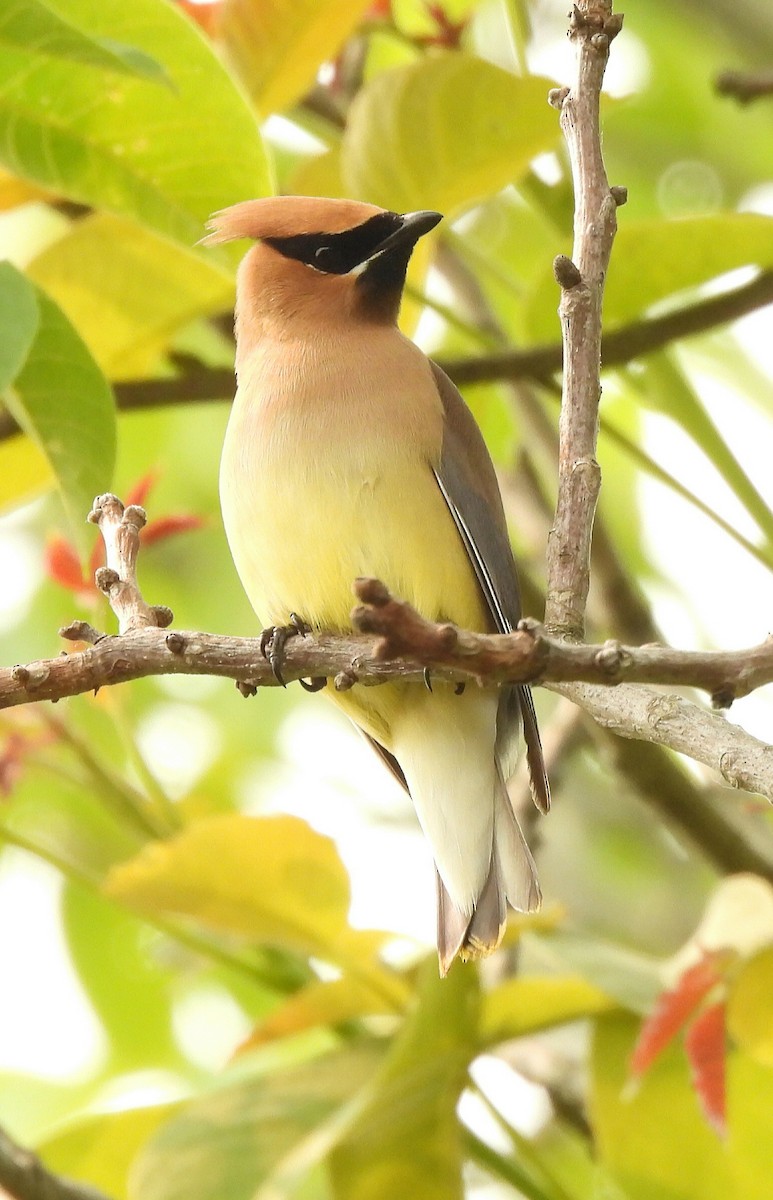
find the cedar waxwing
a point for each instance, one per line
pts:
(349, 453)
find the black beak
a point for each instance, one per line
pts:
(414, 225)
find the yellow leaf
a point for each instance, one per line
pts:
(444, 132)
(24, 471)
(521, 1006)
(321, 1003)
(269, 879)
(277, 46)
(127, 314)
(15, 191)
(750, 1008)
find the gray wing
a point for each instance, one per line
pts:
(468, 482)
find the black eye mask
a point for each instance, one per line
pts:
(339, 253)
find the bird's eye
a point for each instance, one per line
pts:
(323, 254)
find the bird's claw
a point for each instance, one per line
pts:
(315, 684)
(272, 646)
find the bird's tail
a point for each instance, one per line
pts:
(512, 878)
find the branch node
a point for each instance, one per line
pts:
(566, 273)
(613, 25)
(557, 96)
(175, 642)
(723, 697)
(611, 658)
(106, 505)
(600, 41)
(344, 680)
(106, 578)
(245, 688)
(619, 194)
(80, 631)
(162, 614)
(31, 677)
(136, 516)
(577, 21)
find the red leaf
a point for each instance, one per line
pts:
(673, 1009)
(63, 565)
(204, 14)
(165, 527)
(705, 1045)
(142, 489)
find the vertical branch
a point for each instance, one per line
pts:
(592, 26)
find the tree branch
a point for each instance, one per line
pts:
(400, 646)
(395, 642)
(23, 1176)
(669, 720)
(631, 341)
(745, 87)
(203, 384)
(591, 27)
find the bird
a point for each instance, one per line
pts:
(349, 453)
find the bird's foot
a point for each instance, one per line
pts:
(272, 646)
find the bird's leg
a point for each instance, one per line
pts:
(272, 645)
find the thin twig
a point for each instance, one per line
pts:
(581, 278)
(743, 86)
(622, 345)
(120, 528)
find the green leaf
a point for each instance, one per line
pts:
(19, 319)
(655, 260)
(632, 979)
(278, 46)
(655, 1139)
(98, 1149)
(168, 157)
(63, 402)
(525, 1005)
(128, 314)
(226, 1144)
(35, 26)
(130, 991)
(406, 1139)
(444, 132)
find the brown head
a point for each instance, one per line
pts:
(318, 261)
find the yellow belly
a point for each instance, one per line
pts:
(313, 499)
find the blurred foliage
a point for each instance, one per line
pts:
(250, 1042)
